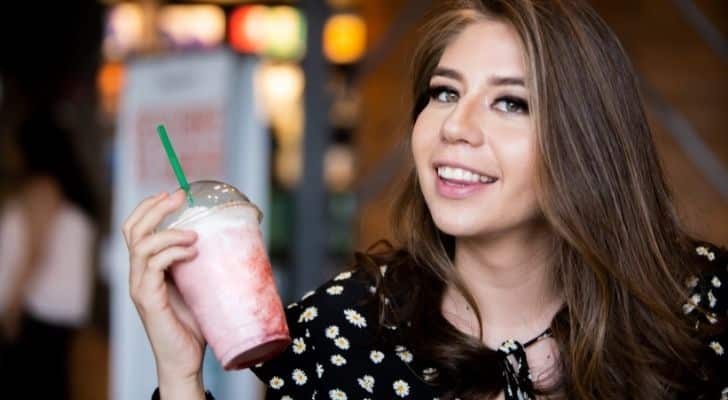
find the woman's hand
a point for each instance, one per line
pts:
(176, 340)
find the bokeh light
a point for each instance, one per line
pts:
(344, 38)
(192, 25)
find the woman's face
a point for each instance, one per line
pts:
(474, 142)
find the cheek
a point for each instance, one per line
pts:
(422, 137)
(520, 170)
(517, 159)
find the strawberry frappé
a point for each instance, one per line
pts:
(229, 286)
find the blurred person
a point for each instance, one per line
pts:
(47, 235)
(539, 252)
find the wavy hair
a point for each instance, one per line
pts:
(621, 255)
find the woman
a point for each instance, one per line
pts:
(539, 251)
(47, 236)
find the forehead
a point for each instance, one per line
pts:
(486, 47)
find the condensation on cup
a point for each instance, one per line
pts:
(229, 286)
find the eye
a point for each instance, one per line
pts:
(443, 94)
(509, 104)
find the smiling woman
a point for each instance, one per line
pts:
(538, 254)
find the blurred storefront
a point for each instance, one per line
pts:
(228, 80)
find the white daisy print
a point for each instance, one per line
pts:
(508, 346)
(383, 269)
(319, 370)
(338, 360)
(288, 307)
(337, 394)
(276, 382)
(342, 276)
(355, 318)
(286, 397)
(308, 314)
(405, 356)
(299, 377)
(701, 250)
(711, 299)
(429, 374)
(690, 305)
(402, 388)
(715, 281)
(711, 256)
(367, 383)
(372, 289)
(717, 348)
(335, 290)
(376, 356)
(342, 343)
(308, 294)
(332, 332)
(299, 345)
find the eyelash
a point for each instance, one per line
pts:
(520, 103)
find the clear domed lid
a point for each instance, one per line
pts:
(206, 197)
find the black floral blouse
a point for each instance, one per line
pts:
(333, 355)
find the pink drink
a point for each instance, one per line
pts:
(229, 286)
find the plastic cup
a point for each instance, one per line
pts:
(229, 286)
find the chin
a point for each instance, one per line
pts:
(460, 224)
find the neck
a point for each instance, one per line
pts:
(509, 277)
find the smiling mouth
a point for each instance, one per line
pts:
(462, 177)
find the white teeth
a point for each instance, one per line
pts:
(462, 175)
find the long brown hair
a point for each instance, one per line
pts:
(620, 256)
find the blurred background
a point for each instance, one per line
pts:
(303, 105)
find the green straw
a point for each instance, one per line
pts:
(172, 156)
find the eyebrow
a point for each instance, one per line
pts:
(493, 80)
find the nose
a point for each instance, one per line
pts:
(462, 126)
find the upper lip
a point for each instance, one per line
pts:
(438, 164)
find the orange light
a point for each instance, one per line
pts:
(247, 29)
(344, 38)
(111, 79)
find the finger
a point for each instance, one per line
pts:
(138, 212)
(153, 276)
(155, 215)
(153, 244)
(183, 313)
